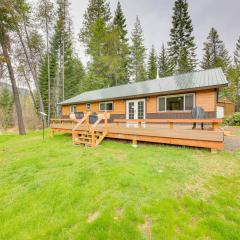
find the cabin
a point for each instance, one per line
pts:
(164, 98)
(158, 110)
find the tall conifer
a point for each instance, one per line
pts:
(152, 64)
(123, 52)
(164, 69)
(181, 45)
(215, 53)
(138, 53)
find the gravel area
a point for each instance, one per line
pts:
(232, 142)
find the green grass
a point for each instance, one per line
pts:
(55, 190)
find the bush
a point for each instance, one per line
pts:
(233, 120)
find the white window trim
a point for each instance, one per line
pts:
(88, 108)
(72, 106)
(105, 106)
(135, 100)
(178, 95)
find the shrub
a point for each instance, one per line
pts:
(233, 120)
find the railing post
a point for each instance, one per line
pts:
(105, 119)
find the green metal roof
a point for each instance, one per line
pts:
(202, 79)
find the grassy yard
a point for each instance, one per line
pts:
(55, 190)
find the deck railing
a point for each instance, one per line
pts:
(213, 122)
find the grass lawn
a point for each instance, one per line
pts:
(55, 190)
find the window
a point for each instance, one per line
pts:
(106, 106)
(73, 108)
(189, 101)
(161, 104)
(183, 102)
(88, 106)
(175, 103)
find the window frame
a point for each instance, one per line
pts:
(73, 106)
(88, 106)
(105, 103)
(176, 95)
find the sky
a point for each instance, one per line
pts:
(156, 15)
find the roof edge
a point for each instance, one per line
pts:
(150, 94)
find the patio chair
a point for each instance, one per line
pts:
(93, 118)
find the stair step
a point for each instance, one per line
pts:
(82, 142)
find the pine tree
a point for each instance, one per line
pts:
(181, 46)
(138, 53)
(97, 9)
(152, 64)
(95, 35)
(237, 53)
(6, 108)
(66, 71)
(163, 63)
(123, 52)
(215, 53)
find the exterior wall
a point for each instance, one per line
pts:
(65, 110)
(229, 108)
(207, 99)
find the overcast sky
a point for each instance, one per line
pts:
(155, 17)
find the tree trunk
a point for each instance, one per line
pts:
(21, 127)
(32, 70)
(30, 90)
(49, 79)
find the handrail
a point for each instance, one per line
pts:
(82, 121)
(63, 120)
(168, 120)
(105, 116)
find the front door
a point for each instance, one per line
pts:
(136, 109)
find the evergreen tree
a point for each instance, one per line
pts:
(97, 9)
(237, 53)
(163, 63)
(123, 52)
(152, 64)
(138, 53)
(181, 46)
(66, 71)
(95, 35)
(6, 108)
(215, 53)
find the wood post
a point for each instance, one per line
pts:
(105, 119)
(170, 124)
(139, 124)
(134, 142)
(214, 126)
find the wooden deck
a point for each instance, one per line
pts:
(146, 132)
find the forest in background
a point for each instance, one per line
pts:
(38, 50)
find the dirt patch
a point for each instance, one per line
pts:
(232, 140)
(119, 213)
(145, 228)
(93, 216)
(232, 143)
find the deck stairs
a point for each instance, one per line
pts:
(87, 134)
(88, 138)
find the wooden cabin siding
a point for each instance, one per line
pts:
(207, 99)
(118, 107)
(229, 108)
(204, 98)
(66, 110)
